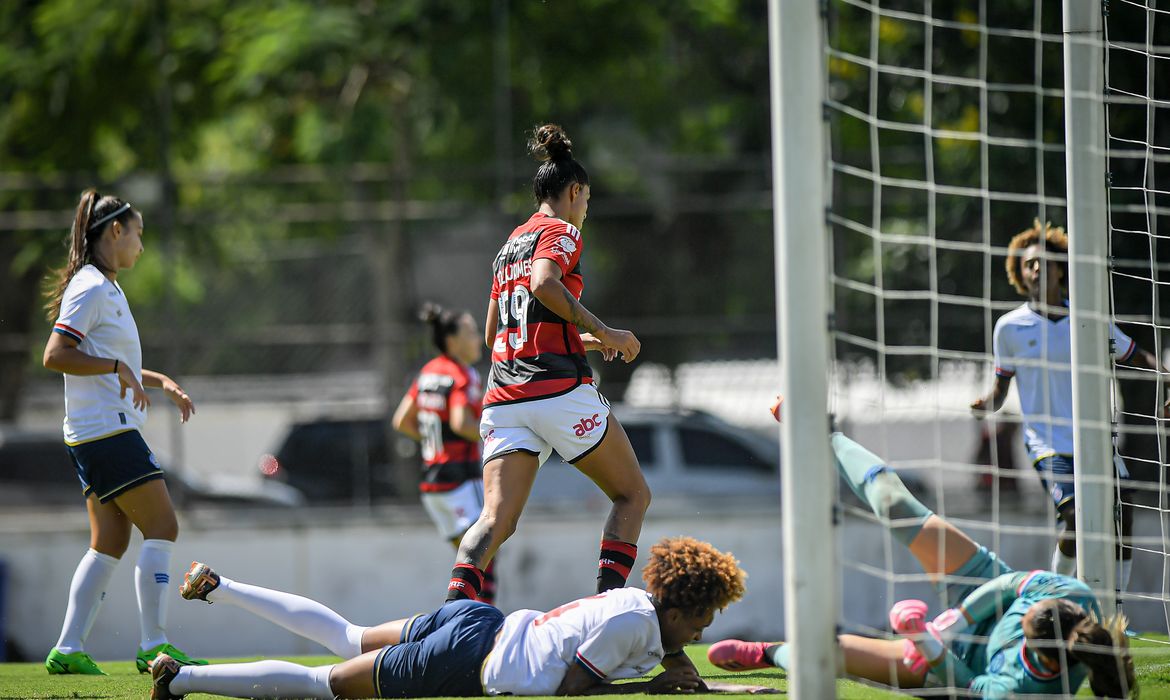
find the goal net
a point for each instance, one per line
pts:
(946, 136)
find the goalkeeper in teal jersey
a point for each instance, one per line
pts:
(1019, 633)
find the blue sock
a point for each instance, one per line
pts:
(778, 655)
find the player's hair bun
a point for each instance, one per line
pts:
(430, 312)
(549, 142)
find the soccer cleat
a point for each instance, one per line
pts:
(78, 663)
(908, 617)
(146, 657)
(162, 671)
(198, 582)
(736, 655)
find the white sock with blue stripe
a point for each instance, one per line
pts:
(152, 582)
(259, 679)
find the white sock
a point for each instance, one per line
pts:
(259, 679)
(1124, 569)
(152, 580)
(86, 593)
(1062, 564)
(297, 614)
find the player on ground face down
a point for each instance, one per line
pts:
(1033, 344)
(540, 395)
(95, 344)
(468, 648)
(1021, 632)
(441, 411)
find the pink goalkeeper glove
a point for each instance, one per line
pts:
(948, 625)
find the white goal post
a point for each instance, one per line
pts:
(807, 478)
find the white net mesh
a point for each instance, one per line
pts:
(1137, 40)
(946, 126)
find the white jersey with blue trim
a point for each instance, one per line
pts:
(1038, 351)
(612, 635)
(94, 312)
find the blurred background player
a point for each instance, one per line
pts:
(1033, 343)
(95, 344)
(540, 394)
(468, 648)
(1018, 633)
(441, 411)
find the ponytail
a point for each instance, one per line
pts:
(94, 214)
(443, 322)
(1104, 649)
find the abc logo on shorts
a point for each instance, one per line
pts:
(588, 425)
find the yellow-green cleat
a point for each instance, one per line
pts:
(78, 663)
(146, 657)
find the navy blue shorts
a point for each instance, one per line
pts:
(440, 654)
(111, 466)
(1056, 473)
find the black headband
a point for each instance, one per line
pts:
(108, 217)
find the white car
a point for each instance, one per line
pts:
(684, 455)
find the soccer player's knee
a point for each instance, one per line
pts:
(890, 498)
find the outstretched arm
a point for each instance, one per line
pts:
(579, 681)
(993, 401)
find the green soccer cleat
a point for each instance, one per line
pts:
(78, 663)
(146, 657)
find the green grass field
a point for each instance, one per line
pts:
(30, 680)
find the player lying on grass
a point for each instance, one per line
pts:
(468, 648)
(1020, 632)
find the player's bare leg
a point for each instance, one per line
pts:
(613, 466)
(507, 481)
(386, 634)
(355, 678)
(878, 660)
(941, 548)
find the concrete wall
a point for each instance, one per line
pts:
(388, 564)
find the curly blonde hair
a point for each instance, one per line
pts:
(691, 575)
(1055, 241)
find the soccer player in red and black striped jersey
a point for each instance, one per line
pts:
(540, 395)
(441, 410)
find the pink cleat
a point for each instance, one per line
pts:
(736, 655)
(908, 617)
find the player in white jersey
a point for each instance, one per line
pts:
(1032, 343)
(469, 648)
(95, 344)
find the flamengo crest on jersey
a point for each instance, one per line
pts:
(94, 312)
(612, 635)
(536, 354)
(448, 459)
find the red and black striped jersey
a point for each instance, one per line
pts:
(448, 459)
(536, 354)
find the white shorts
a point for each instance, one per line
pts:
(456, 510)
(573, 424)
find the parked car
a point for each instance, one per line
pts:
(335, 460)
(35, 469)
(683, 453)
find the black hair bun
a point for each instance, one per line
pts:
(430, 312)
(549, 142)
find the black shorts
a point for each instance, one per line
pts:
(111, 466)
(440, 654)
